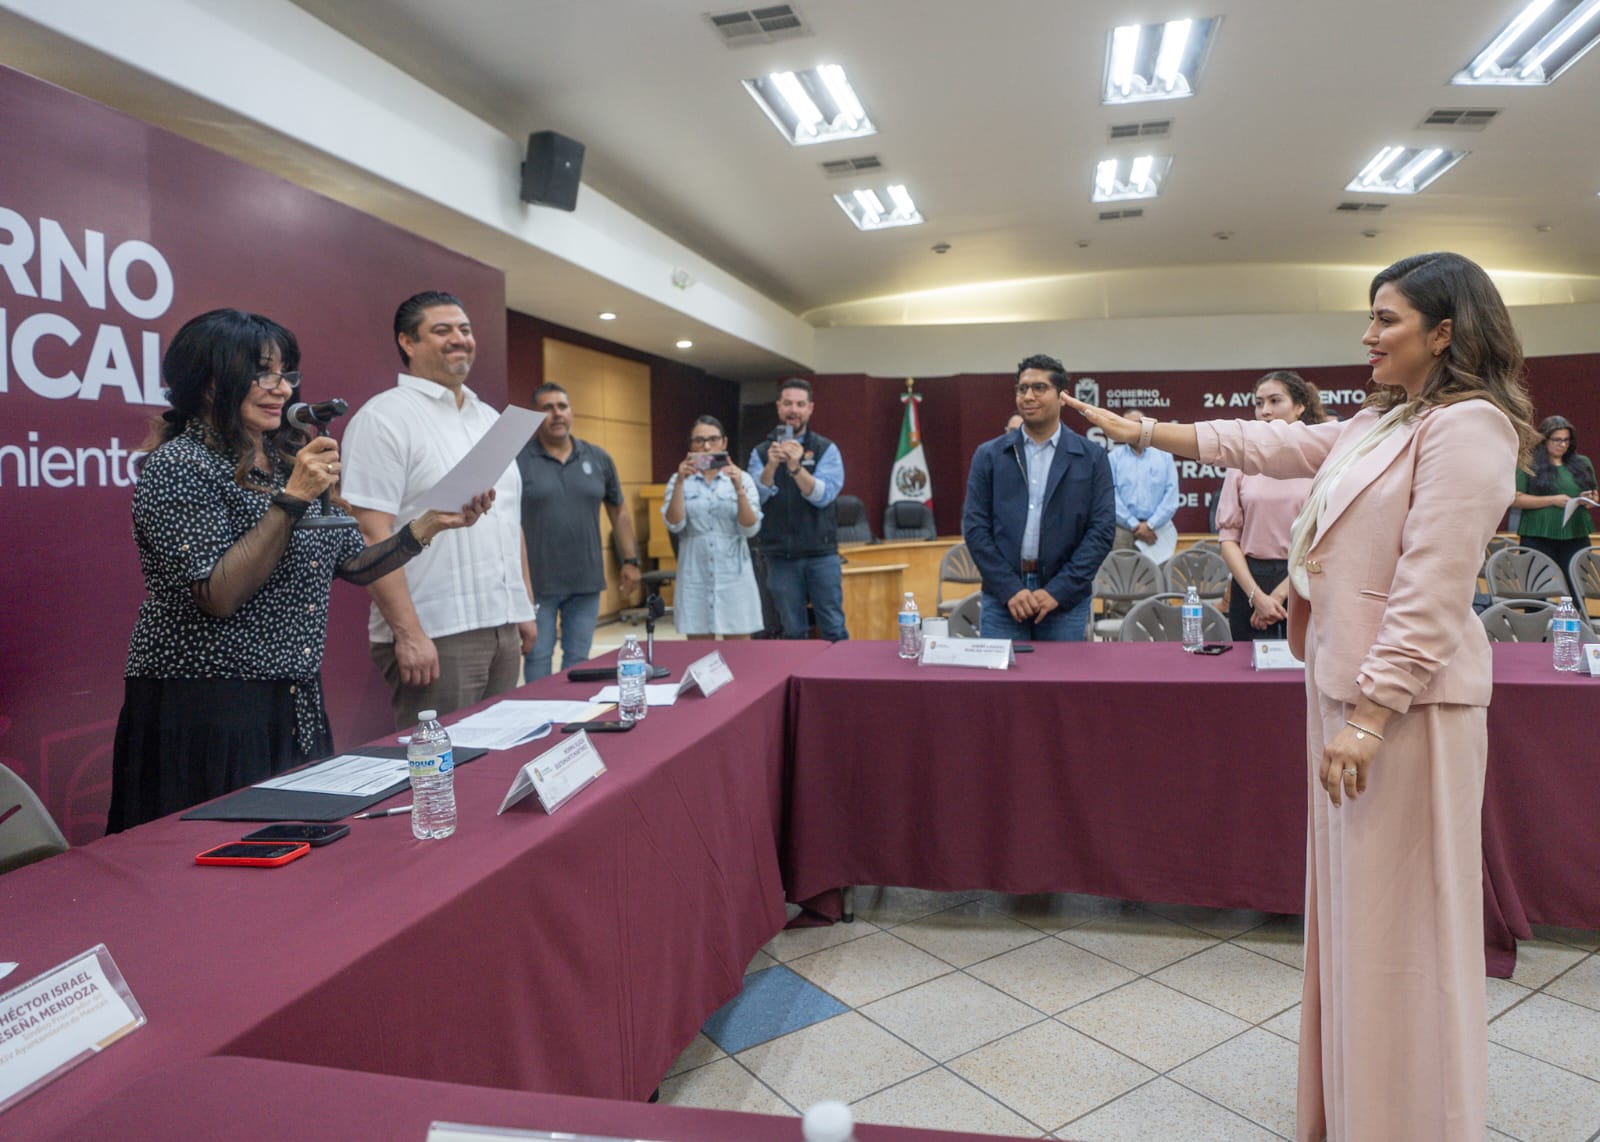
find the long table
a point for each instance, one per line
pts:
(257, 1100)
(1135, 771)
(576, 953)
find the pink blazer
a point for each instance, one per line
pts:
(1394, 564)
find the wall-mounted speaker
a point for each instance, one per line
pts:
(553, 168)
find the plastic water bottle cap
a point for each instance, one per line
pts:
(427, 715)
(827, 1122)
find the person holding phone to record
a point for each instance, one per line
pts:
(713, 508)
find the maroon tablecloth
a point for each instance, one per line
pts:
(1136, 771)
(244, 1100)
(576, 953)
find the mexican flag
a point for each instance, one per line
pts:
(909, 478)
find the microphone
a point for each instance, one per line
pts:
(315, 416)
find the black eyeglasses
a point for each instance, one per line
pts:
(269, 380)
(1039, 388)
(705, 441)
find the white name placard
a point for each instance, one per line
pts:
(62, 1018)
(983, 653)
(708, 674)
(557, 773)
(1273, 654)
(1591, 656)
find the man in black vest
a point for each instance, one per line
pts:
(799, 474)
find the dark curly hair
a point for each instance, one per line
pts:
(1542, 479)
(1045, 364)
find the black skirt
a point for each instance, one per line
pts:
(1267, 573)
(181, 741)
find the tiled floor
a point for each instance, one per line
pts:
(1077, 1017)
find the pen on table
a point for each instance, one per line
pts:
(383, 813)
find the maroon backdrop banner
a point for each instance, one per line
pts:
(862, 414)
(112, 234)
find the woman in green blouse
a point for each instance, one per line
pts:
(1559, 473)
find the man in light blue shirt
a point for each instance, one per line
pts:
(1146, 491)
(1038, 517)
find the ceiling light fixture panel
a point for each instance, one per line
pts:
(1119, 180)
(867, 209)
(816, 105)
(1537, 45)
(1157, 61)
(1404, 170)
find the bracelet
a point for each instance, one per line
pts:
(420, 542)
(1250, 599)
(1147, 428)
(1362, 732)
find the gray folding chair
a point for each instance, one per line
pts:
(1526, 620)
(1160, 619)
(27, 831)
(1125, 576)
(964, 619)
(1201, 567)
(955, 567)
(1523, 573)
(1583, 572)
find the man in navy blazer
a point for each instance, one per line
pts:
(1040, 516)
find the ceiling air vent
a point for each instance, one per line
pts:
(1115, 215)
(1461, 118)
(758, 25)
(843, 168)
(1149, 129)
(1360, 207)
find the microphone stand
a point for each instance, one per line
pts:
(654, 608)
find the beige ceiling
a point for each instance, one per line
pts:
(989, 112)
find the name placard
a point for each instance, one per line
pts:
(983, 653)
(557, 774)
(1591, 657)
(1274, 654)
(708, 674)
(62, 1018)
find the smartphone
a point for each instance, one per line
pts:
(314, 835)
(715, 460)
(1022, 648)
(785, 432)
(598, 727)
(254, 854)
(1215, 648)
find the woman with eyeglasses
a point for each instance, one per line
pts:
(1558, 473)
(713, 509)
(222, 687)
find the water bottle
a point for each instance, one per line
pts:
(828, 1122)
(910, 628)
(1566, 653)
(433, 779)
(1193, 636)
(630, 680)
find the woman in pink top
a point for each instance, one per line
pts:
(1384, 559)
(1254, 514)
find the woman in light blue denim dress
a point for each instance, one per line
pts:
(713, 509)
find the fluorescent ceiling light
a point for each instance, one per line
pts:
(686, 344)
(606, 316)
(1414, 168)
(1539, 43)
(1157, 61)
(1141, 177)
(817, 105)
(867, 210)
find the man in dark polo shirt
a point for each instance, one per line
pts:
(798, 476)
(565, 482)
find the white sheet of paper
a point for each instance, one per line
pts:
(659, 694)
(348, 773)
(485, 462)
(1573, 505)
(512, 722)
(1165, 545)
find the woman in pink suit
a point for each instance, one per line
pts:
(1384, 560)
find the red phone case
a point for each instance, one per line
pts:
(273, 853)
